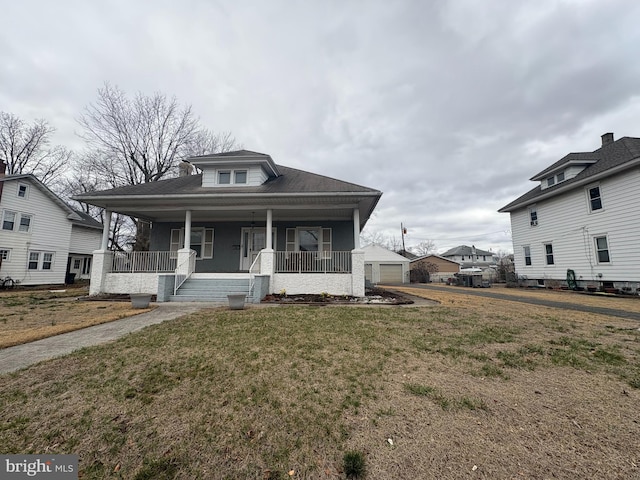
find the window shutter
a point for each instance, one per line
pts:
(176, 242)
(207, 247)
(291, 239)
(326, 240)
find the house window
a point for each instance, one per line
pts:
(309, 239)
(5, 254)
(240, 176)
(533, 216)
(602, 249)
(224, 177)
(595, 200)
(548, 250)
(25, 223)
(551, 181)
(76, 264)
(22, 190)
(527, 255)
(8, 220)
(40, 260)
(86, 266)
(47, 260)
(34, 260)
(560, 177)
(201, 241)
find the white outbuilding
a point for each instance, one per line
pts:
(384, 266)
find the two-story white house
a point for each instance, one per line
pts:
(42, 239)
(581, 222)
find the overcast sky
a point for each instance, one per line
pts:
(447, 107)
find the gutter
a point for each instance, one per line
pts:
(585, 181)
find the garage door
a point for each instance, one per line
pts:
(390, 273)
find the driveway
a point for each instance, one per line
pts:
(494, 293)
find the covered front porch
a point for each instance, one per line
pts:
(209, 255)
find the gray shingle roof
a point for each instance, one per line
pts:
(465, 250)
(291, 181)
(609, 158)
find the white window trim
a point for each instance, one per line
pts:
(15, 218)
(173, 246)
(524, 255)
(586, 192)
(295, 246)
(532, 209)
(26, 190)
(232, 176)
(40, 261)
(546, 254)
(19, 223)
(595, 246)
(5, 252)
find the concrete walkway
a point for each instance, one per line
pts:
(21, 356)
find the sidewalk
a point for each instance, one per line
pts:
(21, 356)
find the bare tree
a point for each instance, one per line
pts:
(25, 149)
(425, 247)
(143, 139)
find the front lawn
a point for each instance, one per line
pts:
(508, 391)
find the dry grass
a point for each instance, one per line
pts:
(474, 388)
(28, 315)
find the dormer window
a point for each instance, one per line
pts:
(560, 177)
(224, 177)
(240, 176)
(551, 181)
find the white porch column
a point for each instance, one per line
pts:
(356, 228)
(269, 228)
(105, 231)
(187, 230)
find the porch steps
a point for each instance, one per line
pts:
(210, 289)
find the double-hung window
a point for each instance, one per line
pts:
(533, 216)
(40, 261)
(548, 251)
(595, 198)
(8, 220)
(25, 223)
(602, 249)
(22, 190)
(527, 255)
(5, 254)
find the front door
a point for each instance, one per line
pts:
(252, 241)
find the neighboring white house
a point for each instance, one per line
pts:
(583, 217)
(243, 225)
(384, 266)
(42, 239)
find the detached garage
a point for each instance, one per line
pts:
(384, 266)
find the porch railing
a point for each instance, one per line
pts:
(313, 262)
(254, 270)
(143, 262)
(184, 270)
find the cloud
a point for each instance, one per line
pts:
(447, 107)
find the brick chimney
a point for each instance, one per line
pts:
(607, 138)
(3, 170)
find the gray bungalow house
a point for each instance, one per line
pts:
(243, 225)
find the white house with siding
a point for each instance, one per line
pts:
(42, 239)
(582, 216)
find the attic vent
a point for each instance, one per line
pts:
(607, 138)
